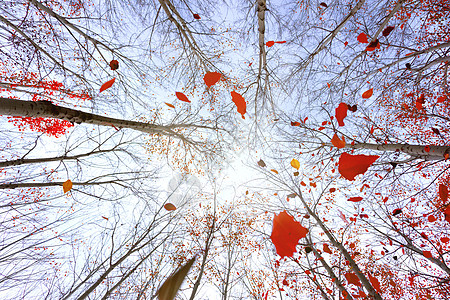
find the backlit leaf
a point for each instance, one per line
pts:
(170, 287)
(107, 85)
(169, 207)
(362, 38)
(182, 97)
(352, 165)
(240, 103)
(169, 105)
(355, 199)
(341, 113)
(286, 232)
(295, 163)
(367, 94)
(67, 186)
(338, 143)
(211, 78)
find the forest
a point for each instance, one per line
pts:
(163, 149)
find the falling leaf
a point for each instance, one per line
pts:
(375, 283)
(105, 218)
(355, 199)
(296, 173)
(362, 38)
(352, 278)
(396, 211)
(295, 123)
(170, 287)
(338, 143)
(341, 113)
(270, 43)
(443, 193)
(275, 171)
(327, 249)
(352, 165)
(169, 207)
(367, 94)
(286, 232)
(240, 103)
(114, 64)
(197, 16)
(169, 105)
(67, 186)
(107, 85)
(261, 163)
(295, 163)
(182, 97)
(211, 78)
(388, 30)
(352, 108)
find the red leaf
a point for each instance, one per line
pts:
(341, 113)
(280, 42)
(105, 218)
(211, 78)
(352, 165)
(327, 249)
(362, 38)
(338, 143)
(295, 123)
(355, 199)
(441, 99)
(443, 193)
(197, 16)
(445, 239)
(431, 218)
(114, 64)
(286, 232)
(352, 278)
(240, 103)
(270, 43)
(107, 85)
(367, 94)
(427, 254)
(426, 148)
(169, 105)
(373, 45)
(388, 30)
(396, 211)
(375, 283)
(182, 97)
(169, 206)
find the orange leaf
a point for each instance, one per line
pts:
(286, 232)
(341, 113)
(270, 43)
(67, 186)
(107, 85)
(352, 278)
(327, 249)
(275, 171)
(114, 64)
(295, 123)
(337, 142)
(169, 105)
(367, 94)
(211, 78)
(182, 97)
(169, 206)
(362, 38)
(355, 199)
(240, 103)
(352, 165)
(443, 193)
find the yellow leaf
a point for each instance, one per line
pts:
(295, 163)
(275, 171)
(67, 186)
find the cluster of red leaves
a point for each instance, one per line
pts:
(49, 126)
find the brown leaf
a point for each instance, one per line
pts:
(107, 85)
(170, 287)
(261, 163)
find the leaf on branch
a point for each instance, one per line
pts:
(169, 207)
(182, 97)
(338, 143)
(261, 163)
(362, 38)
(367, 94)
(327, 249)
(352, 278)
(270, 43)
(280, 42)
(67, 186)
(107, 85)
(169, 105)
(114, 64)
(239, 101)
(286, 232)
(295, 123)
(443, 193)
(375, 283)
(275, 171)
(211, 78)
(373, 45)
(197, 16)
(396, 211)
(388, 30)
(170, 287)
(355, 199)
(295, 163)
(105, 218)
(341, 113)
(352, 165)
